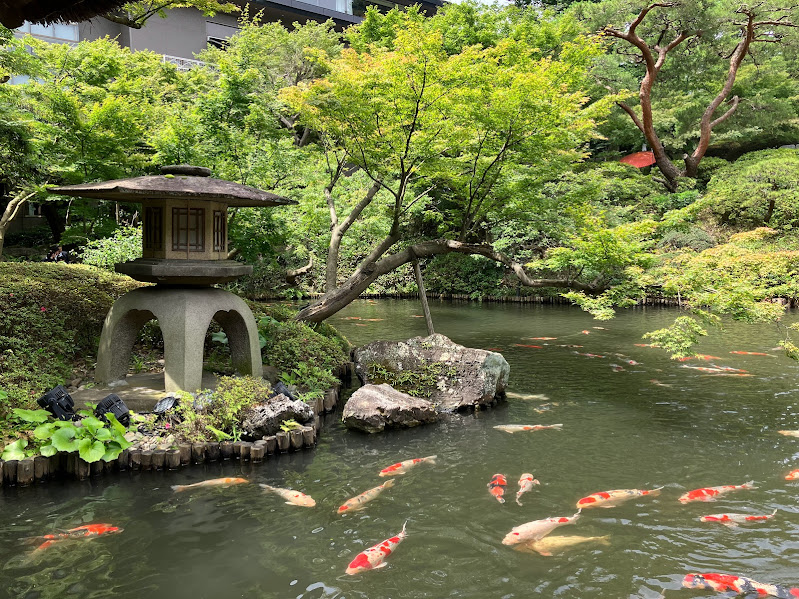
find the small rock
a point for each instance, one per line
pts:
(115, 384)
(372, 408)
(76, 382)
(264, 419)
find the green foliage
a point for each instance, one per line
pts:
(420, 382)
(679, 338)
(290, 425)
(759, 189)
(694, 239)
(124, 245)
(92, 438)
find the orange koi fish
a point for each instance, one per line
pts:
(357, 502)
(585, 332)
(541, 338)
(516, 428)
(615, 497)
(710, 493)
(752, 353)
(497, 487)
(733, 520)
(215, 482)
(730, 374)
(792, 475)
(87, 531)
(741, 585)
(530, 346)
(537, 529)
(704, 357)
(373, 319)
(374, 557)
(526, 483)
(292, 497)
(403, 467)
(351, 318)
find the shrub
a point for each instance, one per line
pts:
(124, 245)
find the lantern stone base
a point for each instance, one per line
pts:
(184, 315)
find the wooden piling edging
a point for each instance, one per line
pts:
(172, 460)
(25, 472)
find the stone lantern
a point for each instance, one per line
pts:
(184, 252)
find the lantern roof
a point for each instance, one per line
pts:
(176, 182)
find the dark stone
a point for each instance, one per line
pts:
(459, 377)
(372, 408)
(264, 419)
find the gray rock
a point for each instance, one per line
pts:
(372, 408)
(264, 419)
(456, 377)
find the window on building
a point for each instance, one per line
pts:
(153, 229)
(188, 229)
(67, 32)
(219, 231)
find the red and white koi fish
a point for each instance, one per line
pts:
(741, 585)
(87, 531)
(792, 475)
(541, 338)
(615, 497)
(617, 368)
(357, 503)
(537, 529)
(789, 433)
(733, 520)
(214, 482)
(710, 493)
(589, 355)
(585, 332)
(497, 487)
(374, 557)
(517, 428)
(530, 346)
(703, 368)
(632, 362)
(526, 483)
(292, 497)
(752, 353)
(403, 467)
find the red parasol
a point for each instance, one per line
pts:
(639, 159)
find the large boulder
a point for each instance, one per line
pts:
(372, 408)
(451, 375)
(264, 419)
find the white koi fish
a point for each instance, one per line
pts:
(291, 497)
(215, 482)
(789, 433)
(517, 428)
(531, 396)
(614, 497)
(551, 545)
(357, 503)
(403, 467)
(537, 529)
(733, 520)
(526, 483)
(374, 557)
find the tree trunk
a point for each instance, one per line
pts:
(9, 214)
(50, 212)
(337, 299)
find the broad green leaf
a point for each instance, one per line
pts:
(44, 431)
(91, 451)
(48, 450)
(112, 452)
(219, 337)
(32, 416)
(104, 434)
(92, 424)
(115, 424)
(14, 451)
(64, 439)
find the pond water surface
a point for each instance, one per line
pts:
(631, 419)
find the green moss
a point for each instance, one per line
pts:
(421, 382)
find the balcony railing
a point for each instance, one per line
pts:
(182, 64)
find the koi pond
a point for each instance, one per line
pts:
(632, 419)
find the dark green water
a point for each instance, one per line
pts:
(620, 431)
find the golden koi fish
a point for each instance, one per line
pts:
(215, 482)
(551, 545)
(403, 467)
(614, 497)
(291, 497)
(789, 433)
(517, 428)
(357, 503)
(537, 529)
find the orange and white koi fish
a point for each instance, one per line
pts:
(357, 503)
(374, 557)
(530, 346)
(517, 428)
(645, 345)
(403, 467)
(291, 497)
(589, 355)
(740, 584)
(733, 520)
(792, 475)
(497, 487)
(710, 493)
(752, 353)
(87, 531)
(632, 362)
(789, 433)
(730, 374)
(698, 357)
(615, 497)
(541, 338)
(584, 332)
(703, 368)
(214, 482)
(526, 483)
(351, 318)
(537, 529)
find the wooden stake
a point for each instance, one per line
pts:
(423, 297)
(172, 460)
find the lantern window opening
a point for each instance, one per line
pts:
(188, 229)
(153, 228)
(220, 241)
